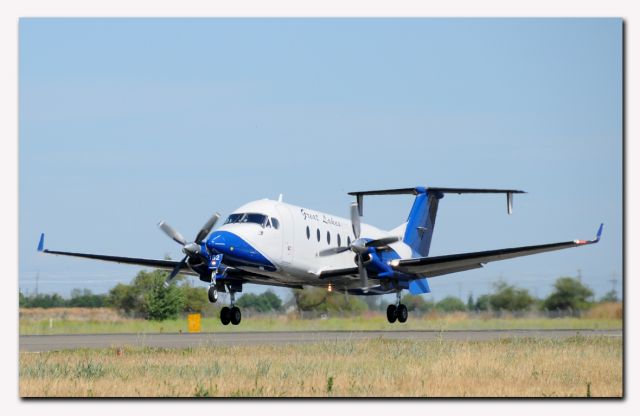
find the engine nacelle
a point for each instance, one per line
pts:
(366, 258)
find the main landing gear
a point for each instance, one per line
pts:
(231, 314)
(227, 315)
(397, 311)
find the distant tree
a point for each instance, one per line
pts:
(319, 299)
(470, 303)
(273, 300)
(417, 303)
(311, 298)
(610, 296)
(162, 302)
(195, 298)
(85, 299)
(264, 302)
(450, 304)
(509, 298)
(482, 303)
(148, 296)
(43, 301)
(124, 297)
(569, 294)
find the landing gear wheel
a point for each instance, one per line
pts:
(236, 316)
(213, 294)
(402, 313)
(225, 315)
(391, 313)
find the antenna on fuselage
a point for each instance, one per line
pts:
(280, 198)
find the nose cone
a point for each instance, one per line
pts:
(237, 251)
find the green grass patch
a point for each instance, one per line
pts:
(289, 323)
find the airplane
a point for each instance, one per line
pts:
(270, 242)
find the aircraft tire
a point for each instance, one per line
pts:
(391, 313)
(225, 315)
(213, 294)
(402, 313)
(236, 316)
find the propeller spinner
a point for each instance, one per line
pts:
(190, 249)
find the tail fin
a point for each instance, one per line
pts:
(422, 218)
(421, 221)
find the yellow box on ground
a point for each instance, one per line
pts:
(193, 321)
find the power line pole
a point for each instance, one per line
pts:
(37, 280)
(580, 275)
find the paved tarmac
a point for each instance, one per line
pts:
(35, 343)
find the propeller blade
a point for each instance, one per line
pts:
(206, 228)
(332, 251)
(364, 278)
(172, 233)
(176, 270)
(382, 241)
(355, 220)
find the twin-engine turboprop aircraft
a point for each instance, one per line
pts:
(273, 243)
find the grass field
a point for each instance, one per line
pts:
(519, 367)
(73, 321)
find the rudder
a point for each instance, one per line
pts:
(421, 221)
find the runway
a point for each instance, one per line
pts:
(39, 343)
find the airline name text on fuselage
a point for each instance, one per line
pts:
(319, 217)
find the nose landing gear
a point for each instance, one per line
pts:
(213, 293)
(398, 311)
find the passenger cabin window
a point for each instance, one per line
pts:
(275, 222)
(348, 240)
(328, 238)
(308, 233)
(339, 240)
(318, 234)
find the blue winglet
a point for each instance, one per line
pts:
(41, 243)
(599, 233)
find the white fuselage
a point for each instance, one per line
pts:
(294, 247)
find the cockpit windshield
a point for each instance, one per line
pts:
(248, 217)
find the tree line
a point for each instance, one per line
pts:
(147, 296)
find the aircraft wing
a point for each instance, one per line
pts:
(440, 265)
(232, 272)
(159, 264)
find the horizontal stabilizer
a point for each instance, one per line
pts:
(420, 189)
(417, 190)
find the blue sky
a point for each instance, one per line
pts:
(125, 122)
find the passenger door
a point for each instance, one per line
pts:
(286, 229)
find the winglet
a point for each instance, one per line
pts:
(598, 235)
(41, 243)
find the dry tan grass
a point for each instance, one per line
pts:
(609, 310)
(502, 368)
(71, 314)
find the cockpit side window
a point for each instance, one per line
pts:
(275, 222)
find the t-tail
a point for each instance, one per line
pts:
(422, 217)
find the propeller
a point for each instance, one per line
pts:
(360, 246)
(189, 249)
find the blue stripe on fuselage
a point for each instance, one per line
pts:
(236, 251)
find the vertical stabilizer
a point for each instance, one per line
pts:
(421, 221)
